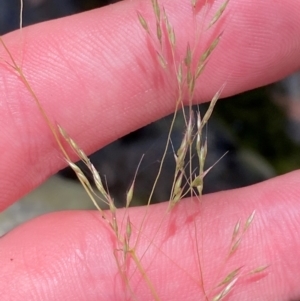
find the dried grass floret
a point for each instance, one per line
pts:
(218, 14)
(228, 288)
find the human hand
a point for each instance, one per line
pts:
(92, 72)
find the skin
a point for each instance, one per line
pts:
(97, 66)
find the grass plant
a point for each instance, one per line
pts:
(188, 179)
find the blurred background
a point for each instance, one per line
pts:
(259, 130)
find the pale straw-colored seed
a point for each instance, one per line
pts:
(218, 14)
(112, 208)
(85, 181)
(203, 153)
(199, 122)
(176, 197)
(129, 195)
(211, 107)
(170, 29)
(236, 230)
(179, 73)
(165, 16)
(161, 60)
(200, 188)
(199, 133)
(185, 143)
(156, 9)
(189, 75)
(114, 225)
(178, 183)
(249, 220)
(97, 180)
(66, 136)
(230, 277)
(180, 163)
(191, 85)
(74, 145)
(80, 153)
(198, 143)
(143, 22)
(181, 151)
(210, 49)
(128, 229)
(181, 154)
(159, 32)
(83, 157)
(80, 174)
(188, 56)
(199, 69)
(198, 184)
(225, 291)
(259, 269)
(74, 166)
(63, 132)
(172, 37)
(197, 181)
(190, 126)
(125, 247)
(177, 189)
(235, 246)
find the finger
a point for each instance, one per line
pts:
(96, 76)
(71, 255)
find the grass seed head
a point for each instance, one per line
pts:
(209, 111)
(185, 75)
(162, 61)
(156, 9)
(236, 230)
(200, 68)
(159, 33)
(98, 181)
(179, 73)
(218, 14)
(129, 195)
(235, 246)
(225, 291)
(230, 276)
(210, 49)
(188, 56)
(191, 84)
(249, 220)
(128, 228)
(172, 36)
(143, 22)
(259, 269)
